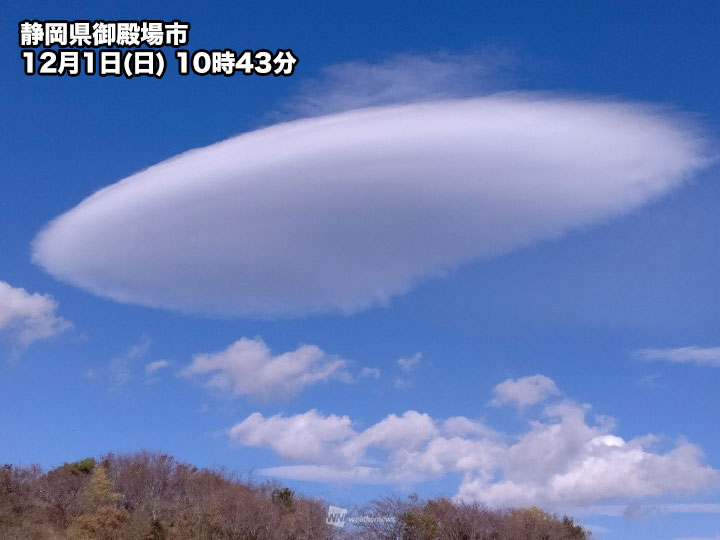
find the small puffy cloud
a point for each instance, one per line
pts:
(410, 363)
(157, 365)
(248, 368)
(562, 460)
(309, 436)
(29, 317)
(698, 356)
(370, 372)
(524, 391)
(274, 222)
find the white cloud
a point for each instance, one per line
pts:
(524, 391)
(308, 436)
(689, 508)
(29, 317)
(346, 211)
(355, 85)
(324, 473)
(635, 509)
(122, 369)
(654, 380)
(407, 365)
(405, 432)
(157, 365)
(370, 372)
(410, 363)
(699, 356)
(562, 459)
(247, 367)
(596, 529)
(460, 426)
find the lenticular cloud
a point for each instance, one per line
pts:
(344, 211)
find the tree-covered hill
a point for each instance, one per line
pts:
(149, 496)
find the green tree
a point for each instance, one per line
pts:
(283, 497)
(99, 490)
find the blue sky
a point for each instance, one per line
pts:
(608, 310)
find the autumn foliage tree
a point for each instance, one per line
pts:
(150, 496)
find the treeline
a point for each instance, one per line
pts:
(149, 496)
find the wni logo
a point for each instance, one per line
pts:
(336, 516)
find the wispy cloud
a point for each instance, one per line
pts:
(698, 356)
(403, 383)
(123, 368)
(29, 317)
(404, 78)
(157, 365)
(650, 381)
(597, 529)
(409, 363)
(636, 509)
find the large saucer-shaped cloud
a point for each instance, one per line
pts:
(344, 211)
